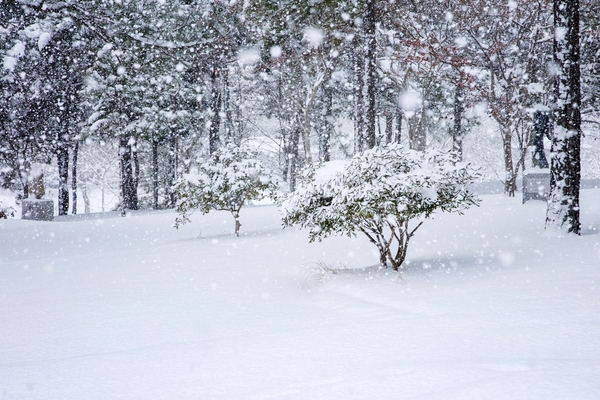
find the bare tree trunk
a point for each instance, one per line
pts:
(155, 174)
(86, 198)
(417, 135)
(24, 171)
(326, 128)
(542, 128)
(171, 174)
(399, 115)
(371, 59)
(226, 108)
(510, 184)
(565, 172)
(238, 225)
(359, 105)
(215, 107)
(238, 125)
(457, 131)
(293, 155)
(285, 132)
(62, 156)
(389, 126)
(382, 255)
(127, 180)
(136, 173)
(74, 178)
(311, 95)
(285, 157)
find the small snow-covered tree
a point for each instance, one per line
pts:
(379, 192)
(229, 178)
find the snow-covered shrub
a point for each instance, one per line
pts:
(378, 193)
(9, 203)
(6, 211)
(232, 176)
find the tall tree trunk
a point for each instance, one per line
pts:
(285, 149)
(127, 179)
(171, 175)
(389, 117)
(565, 175)
(379, 139)
(155, 174)
(306, 123)
(311, 95)
(326, 128)
(510, 184)
(359, 103)
(215, 107)
(399, 115)
(371, 59)
(541, 123)
(457, 131)
(74, 178)
(417, 135)
(226, 108)
(237, 123)
(86, 198)
(136, 169)
(62, 156)
(293, 155)
(389, 126)
(284, 129)
(24, 171)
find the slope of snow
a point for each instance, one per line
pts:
(490, 306)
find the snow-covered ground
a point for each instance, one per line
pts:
(489, 307)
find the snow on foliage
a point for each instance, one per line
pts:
(378, 192)
(232, 176)
(6, 211)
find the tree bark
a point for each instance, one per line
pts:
(24, 171)
(371, 61)
(155, 174)
(136, 168)
(359, 104)
(510, 184)
(215, 107)
(127, 180)
(389, 117)
(62, 156)
(399, 115)
(457, 132)
(74, 178)
(236, 217)
(565, 171)
(293, 155)
(86, 198)
(171, 174)
(417, 136)
(225, 105)
(284, 129)
(541, 123)
(326, 130)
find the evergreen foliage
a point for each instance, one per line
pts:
(167, 80)
(229, 178)
(379, 192)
